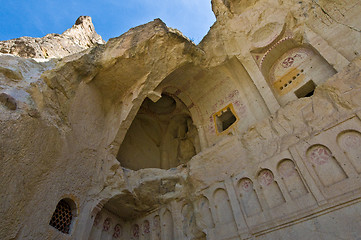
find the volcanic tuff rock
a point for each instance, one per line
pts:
(79, 37)
(272, 95)
(114, 78)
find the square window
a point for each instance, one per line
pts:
(225, 118)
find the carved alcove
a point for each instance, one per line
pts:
(167, 223)
(350, 143)
(117, 220)
(189, 222)
(205, 213)
(156, 228)
(106, 225)
(249, 200)
(135, 232)
(332, 158)
(270, 189)
(324, 163)
(162, 135)
(292, 68)
(225, 224)
(146, 231)
(291, 179)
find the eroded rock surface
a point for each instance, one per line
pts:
(79, 37)
(253, 134)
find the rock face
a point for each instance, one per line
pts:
(77, 38)
(253, 134)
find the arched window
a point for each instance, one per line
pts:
(63, 215)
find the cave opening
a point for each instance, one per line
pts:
(162, 135)
(306, 90)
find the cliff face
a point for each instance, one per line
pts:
(50, 103)
(79, 37)
(253, 134)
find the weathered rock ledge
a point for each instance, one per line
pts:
(79, 37)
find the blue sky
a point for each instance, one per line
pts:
(36, 18)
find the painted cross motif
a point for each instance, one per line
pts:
(320, 155)
(246, 184)
(288, 62)
(146, 227)
(287, 168)
(266, 178)
(117, 231)
(136, 231)
(106, 224)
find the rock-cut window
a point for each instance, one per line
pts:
(225, 118)
(63, 216)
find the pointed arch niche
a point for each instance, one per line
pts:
(122, 217)
(291, 68)
(162, 135)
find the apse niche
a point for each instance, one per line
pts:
(162, 135)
